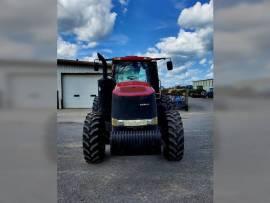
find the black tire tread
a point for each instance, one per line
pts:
(173, 136)
(95, 106)
(93, 138)
(166, 103)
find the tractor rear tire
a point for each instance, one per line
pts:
(166, 103)
(93, 138)
(173, 136)
(95, 106)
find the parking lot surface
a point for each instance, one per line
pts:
(138, 178)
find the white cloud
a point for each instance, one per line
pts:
(65, 49)
(182, 69)
(93, 56)
(209, 75)
(123, 2)
(197, 16)
(90, 58)
(187, 46)
(184, 78)
(89, 20)
(203, 61)
(188, 43)
(89, 45)
(178, 70)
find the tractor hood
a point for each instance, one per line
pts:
(133, 88)
(134, 101)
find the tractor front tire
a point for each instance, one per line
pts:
(166, 103)
(95, 106)
(93, 138)
(173, 136)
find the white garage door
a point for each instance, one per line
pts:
(77, 90)
(32, 91)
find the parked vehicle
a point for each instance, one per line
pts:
(210, 93)
(197, 93)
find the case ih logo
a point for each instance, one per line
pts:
(144, 104)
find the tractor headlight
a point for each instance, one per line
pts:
(134, 123)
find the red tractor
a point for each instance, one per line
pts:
(130, 113)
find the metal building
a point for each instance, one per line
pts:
(76, 83)
(204, 84)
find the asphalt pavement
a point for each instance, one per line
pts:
(138, 178)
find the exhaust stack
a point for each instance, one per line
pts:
(104, 65)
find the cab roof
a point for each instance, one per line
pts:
(132, 58)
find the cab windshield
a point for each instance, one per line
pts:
(131, 70)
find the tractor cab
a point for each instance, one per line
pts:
(135, 68)
(131, 68)
(130, 71)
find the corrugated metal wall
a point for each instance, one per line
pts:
(62, 69)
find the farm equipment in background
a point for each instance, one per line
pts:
(210, 93)
(197, 93)
(131, 114)
(179, 98)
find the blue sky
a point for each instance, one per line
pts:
(178, 29)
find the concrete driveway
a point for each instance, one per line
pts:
(138, 178)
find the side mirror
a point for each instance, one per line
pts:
(169, 65)
(96, 66)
